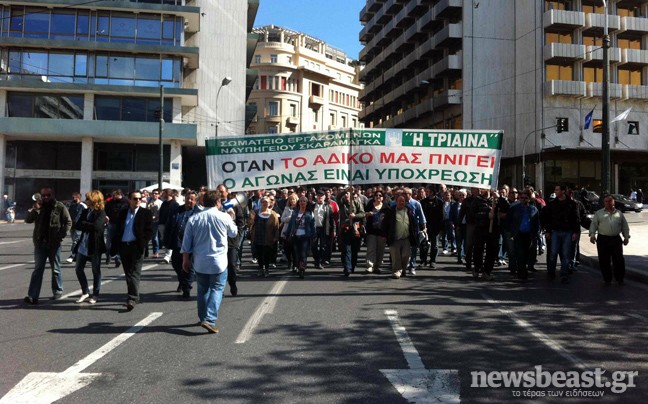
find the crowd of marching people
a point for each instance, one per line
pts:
(404, 230)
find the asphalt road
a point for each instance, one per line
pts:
(324, 339)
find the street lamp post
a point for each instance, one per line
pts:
(605, 139)
(161, 146)
(225, 82)
(526, 138)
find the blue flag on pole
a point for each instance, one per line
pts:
(588, 119)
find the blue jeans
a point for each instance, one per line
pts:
(41, 254)
(349, 246)
(561, 245)
(95, 260)
(155, 240)
(302, 245)
(210, 294)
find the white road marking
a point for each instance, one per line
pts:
(267, 306)
(48, 387)
(544, 338)
(120, 277)
(11, 266)
(418, 384)
(12, 242)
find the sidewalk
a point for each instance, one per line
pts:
(635, 253)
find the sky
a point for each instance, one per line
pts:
(335, 22)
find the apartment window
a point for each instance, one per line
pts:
(593, 8)
(629, 44)
(593, 74)
(315, 115)
(558, 5)
(560, 72)
(272, 129)
(559, 38)
(276, 82)
(264, 82)
(293, 110)
(273, 58)
(273, 108)
(332, 118)
(283, 84)
(316, 90)
(137, 109)
(632, 77)
(343, 121)
(354, 123)
(257, 59)
(289, 60)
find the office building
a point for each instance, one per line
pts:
(519, 67)
(80, 90)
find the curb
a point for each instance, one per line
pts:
(631, 273)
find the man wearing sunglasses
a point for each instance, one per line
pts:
(51, 223)
(134, 229)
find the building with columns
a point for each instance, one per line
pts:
(304, 84)
(516, 66)
(80, 93)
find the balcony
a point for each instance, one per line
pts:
(448, 9)
(635, 92)
(634, 59)
(576, 89)
(316, 101)
(563, 52)
(594, 24)
(365, 14)
(448, 66)
(426, 106)
(292, 120)
(273, 118)
(595, 90)
(449, 36)
(633, 27)
(595, 54)
(447, 99)
(562, 21)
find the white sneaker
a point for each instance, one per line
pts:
(167, 259)
(254, 260)
(412, 271)
(396, 275)
(70, 259)
(445, 252)
(82, 299)
(92, 300)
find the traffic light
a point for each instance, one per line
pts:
(562, 125)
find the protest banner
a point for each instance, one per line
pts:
(362, 156)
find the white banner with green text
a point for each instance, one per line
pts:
(360, 156)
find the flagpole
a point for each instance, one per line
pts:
(605, 139)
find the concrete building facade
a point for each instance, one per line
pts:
(304, 84)
(515, 66)
(80, 90)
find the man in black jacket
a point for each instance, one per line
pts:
(433, 210)
(114, 209)
(134, 229)
(562, 227)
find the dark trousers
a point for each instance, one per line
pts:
(184, 279)
(469, 243)
(460, 231)
(433, 250)
(321, 246)
(232, 256)
(263, 255)
(525, 250)
(349, 247)
(132, 260)
(485, 242)
(611, 247)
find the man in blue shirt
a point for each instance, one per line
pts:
(420, 224)
(204, 247)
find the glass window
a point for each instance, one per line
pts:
(273, 108)
(559, 38)
(168, 29)
(593, 74)
(103, 27)
(559, 72)
(107, 108)
(257, 58)
(149, 29)
(36, 23)
(121, 67)
(81, 65)
(133, 109)
(63, 25)
(122, 28)
(167, 69)
(61, 64)
(82, 28)
(101, 68)
(20, 105)
(632, 77)
(14, 61)
(147, 68)
(17, 21)
(34, 63)
(273, 58)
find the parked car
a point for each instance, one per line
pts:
(624, 204)
(590, 200)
